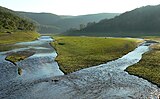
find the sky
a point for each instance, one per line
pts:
(76, 7)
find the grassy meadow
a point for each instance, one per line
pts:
(14, 37)
(75, 53)
(149, 67)
(6, 39)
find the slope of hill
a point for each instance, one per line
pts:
(45, 21)
(9, 20)
(141, 21)
(51, 23)
(75, 21)
(42, 18)
(14, 28)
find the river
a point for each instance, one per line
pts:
(41, 77)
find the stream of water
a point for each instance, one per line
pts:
(41, 77)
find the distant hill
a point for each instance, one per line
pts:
(11, 21)
(42, 18)
(51, 23)
(45, 21)
(141, 21)
(75, 21)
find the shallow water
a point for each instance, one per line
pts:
(41, 65)
(42, 79)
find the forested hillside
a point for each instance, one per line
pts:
(14, 28)
(141, 21)
(10, 21)
(74, 22)
(51, 23)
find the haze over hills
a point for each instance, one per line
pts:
(141, 21)
(51, 23)
(45, 21)
(11, 21)
(75, 21)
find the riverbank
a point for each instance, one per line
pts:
(149, 67)
(75, 53)
(31, 60)
(6, 39)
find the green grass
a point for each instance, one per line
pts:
(6, 39)
(149, 67)
(75, 53)
(14, 37)
(18, 56)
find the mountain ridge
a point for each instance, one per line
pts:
(48, 22)
(143, 20)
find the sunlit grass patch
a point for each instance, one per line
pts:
(149, 67)
(7, 39)
(18, 56)
(75, 53)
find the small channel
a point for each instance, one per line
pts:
(42, 64)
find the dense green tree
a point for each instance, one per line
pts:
(82, 26)
(90, 24)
